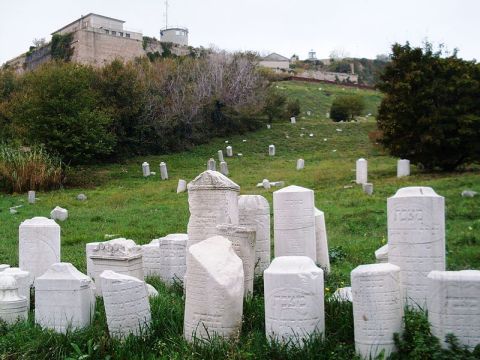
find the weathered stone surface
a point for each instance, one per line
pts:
(266, 184)
(211, 164)
(120, 255)
(151, 258)
(454, 307)
(31, 197)
(300, 164)
(271, 150)
(294, 222)
(229, 151)
(146, 169)
(126, 304)
(163, 171)
(220, 156)
(416, 238)
(377, 308)
(39, 245)
(212, 200)
(88, 251)
(254, 211)
(182, 186)
(151, 291)
(367, 188)
(224, 168)
(81, 197)
(381, 254)
(24, 281)
(294, 306)
(13, 307)
(243, 242)
(59, 214)
(343, 294)
(323, 259)
(63, 298)
(214, 290)
(361, 171)
(3, 267)
(403, 168)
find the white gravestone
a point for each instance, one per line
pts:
(211, 164)
(13, 307)
(243, 242)
(271, 150)
(343, 294)
(24, 281)
(3, 267)
(294, 306)
(454, 306)
(59, 214)
(403, 168)
(224, 168)
(229, 151)
(323, 259)
(64, 298)
(381, 254)
(120, 255)
(416, 238)
(266, 184)
(151, 258)
(300, 164)
(220, 156)
(146, 169)
(151, 291)
(31, 197)
(361, 171)
(39, 245)
(214, 290)
(293, 120)
(88, 251)
(182, 186)
(254, 211)
(367, 188)
(377, 308)
(294, 222)
(163, 171)
(212, 200)
(126, 304)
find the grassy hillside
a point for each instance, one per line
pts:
(125, 204)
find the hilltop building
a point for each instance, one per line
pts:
(275, 61)
(174, 35)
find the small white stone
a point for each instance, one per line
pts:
(367, 188)
(266, 184)
(269, 126)
(220, 155)
(211, 165)
(81, 197)
(293, 120)
(182, 186)
(59, 214)
(469, 193)
(300, 164)
(244, 140)
(271, 150)
(146, 169)
(339, 130)
(229, 151)
(31, 197)
(311, 135)
(163, 171)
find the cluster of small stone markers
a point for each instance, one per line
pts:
(227, 243)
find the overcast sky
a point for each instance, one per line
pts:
(362, 28)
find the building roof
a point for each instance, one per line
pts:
(275, 57)
(85, 16)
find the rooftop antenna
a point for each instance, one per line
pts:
(166, 14)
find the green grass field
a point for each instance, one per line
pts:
(125, 204)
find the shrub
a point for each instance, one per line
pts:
(293, 108)
(274, 104)
(346, 107)
(23, 169)
(430, 113)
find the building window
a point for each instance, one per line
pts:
(114, 32)
(107, 31)
(127, 35)
(120, 33)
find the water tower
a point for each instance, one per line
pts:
(175, 35)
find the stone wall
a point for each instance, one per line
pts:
(329, 76)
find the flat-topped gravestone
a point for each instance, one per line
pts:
(220, 156)
(126, 304)
(24, 281)
(163, 171)
(377, 308)
(229, 151)
(416, 238)
(300, 164)
(64, 298)
(271, 150)
(453, 305)
(212, 200)
(39, 245)
(182, 186)
(224, 168)
(403, 167)
(13, 307)
(59, 214)
(120, 255)
(146, 169)
(254, 211)
(361, 171)
(211, 164)
(323, 259)
(31, 197)
(381, 254)
(214, 290)
(243, 242)
(294, 222)
(173, 257)
(294, 306)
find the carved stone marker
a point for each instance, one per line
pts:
(416, 238)
(361, 171)
(224, 168)
(294, 307)
(120, 255)
(24, 281)
(243, 242)
(212, 200)
(294, 222)
(31, 197)
(293, 120)
(214, 290)
(403, 168)
(454, 307)
(146, 169)
(173, 257)
(211, 164)
(39, 245)
(63, 298)
(182, 186)
(13, 307)
(367, 188)
(220, 156)
(254, 211)
(229, 151)
(381, 254)
(126, 304)
(271, 150)
(377, 308)
(300, 164)
(59, 214)
(323, 258)
(163, 171)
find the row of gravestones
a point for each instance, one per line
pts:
(361, 172)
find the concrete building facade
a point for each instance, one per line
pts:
(176, 35)
(275, 61)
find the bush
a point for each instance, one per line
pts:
(293, 108)
(430, 113)
(274, 104)
(26, 169)
(346, 107)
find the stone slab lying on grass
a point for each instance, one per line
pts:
(13, 307)
(273, 184)
(59, 213)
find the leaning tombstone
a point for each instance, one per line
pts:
(403, 167)
(377, 308)
(416, 238)
(211, 165)
(453, 306)
(126, 304)
(13, 307)
(146, 169)
(323, 259)
(31, 197)
(212, 200)
(39, 245)
(224, 168)
(220, 156)
(367, 188)
(381, 254)
(24, 281)
(361, 171)
(300, 164)
(229, 151)
(294, 305)
(163, 171)
(271, 150)
(243, 242)
(254, 211)
(182, 186)
(294, 222)
(214, 290)
(64, 298)
(59, 214)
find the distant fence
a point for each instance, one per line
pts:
(360, 86)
